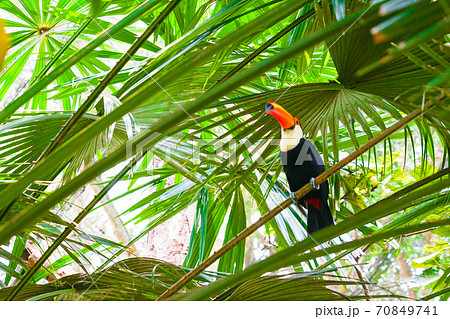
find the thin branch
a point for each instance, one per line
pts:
(72, 60)
(363, 282)
(73, 225)
(70, 124)
(299, 194)
(61, 51)
(266, 45)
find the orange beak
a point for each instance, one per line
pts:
(281, 115)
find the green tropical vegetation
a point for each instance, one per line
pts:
(163, 102)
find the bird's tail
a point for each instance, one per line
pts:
(319, 216)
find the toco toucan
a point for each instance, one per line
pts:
(302, 163)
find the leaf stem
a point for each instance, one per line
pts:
(266, 45)
(75, 58)
(300, 193)
(68, 127)
(30, 273)
(61, 50)
(70, 124)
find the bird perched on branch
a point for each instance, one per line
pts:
(302, 163)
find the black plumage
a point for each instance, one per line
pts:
(300, 164)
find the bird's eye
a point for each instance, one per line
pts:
(296, 122)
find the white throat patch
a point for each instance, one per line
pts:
(290, 138)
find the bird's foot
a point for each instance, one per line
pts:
(293, 197)
(313, 183)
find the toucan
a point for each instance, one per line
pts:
(302, 163)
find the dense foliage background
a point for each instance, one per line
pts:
(157, 107)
